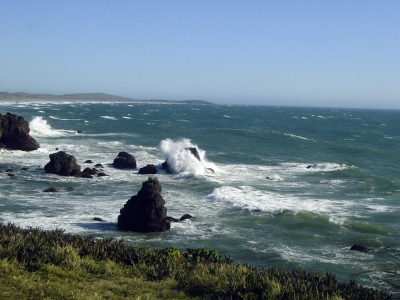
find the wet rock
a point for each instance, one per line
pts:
(125, 160)
(149, 169)
(167, 167)
(62, 164)
(88, 161)
(101, 174)
(171, 219)
(88, 173)
(14, 133)
(98, 165)
(98, 219)
(185, 217)
(145, 212)
(50, 190)
(359, 248)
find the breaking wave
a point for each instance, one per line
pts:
(39, 128)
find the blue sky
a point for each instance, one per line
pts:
(301, 53)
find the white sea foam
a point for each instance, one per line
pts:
(55, 118)
(298, 136)
(109, 117)
(181, 159)
(40, 128)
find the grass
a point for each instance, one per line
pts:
(37, 264)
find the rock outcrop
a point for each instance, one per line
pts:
(124, 160)
(149, 169)
(167, 166)
(145, 212)
(62, 164)
(14, 133)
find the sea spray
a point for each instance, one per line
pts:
(179, 158)
(40, 128)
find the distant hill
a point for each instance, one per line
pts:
(95, 97)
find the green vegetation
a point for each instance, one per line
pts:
(37, 264)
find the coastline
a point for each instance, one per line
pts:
(89, 98)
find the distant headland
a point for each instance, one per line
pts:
(88, 97)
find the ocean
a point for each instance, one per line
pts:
(292, 187)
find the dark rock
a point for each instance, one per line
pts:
(79, 131)
(359, 248)
(145, 212)
(125, 160)
(56, 149)
(211, 170)
(100, 174)
(90, 171)
(88, 162)
(14, 133)
(9, 170)
(194, 151)
(167, 167)
(11, 175)
(149, 169)
(50, 190)
(186, 216)
(98, 165)
(98, 219)
(24, 168)
(171, 219)
(62, 164)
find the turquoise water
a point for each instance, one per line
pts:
(334, 179)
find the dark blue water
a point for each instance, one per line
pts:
(334, 178)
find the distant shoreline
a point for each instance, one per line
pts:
(89, 97)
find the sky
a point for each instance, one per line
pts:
(268, 52)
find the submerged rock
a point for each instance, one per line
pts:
(359, 248)
(145, 212)
(14, 133)
(62, 164)
(124, 160)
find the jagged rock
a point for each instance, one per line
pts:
(145, 212)
(14, 133)
(359, 248)
(194, 151)
(167, 167)
(125, 160)
(62, 164)
(149, 169)
(88, 172)
(186, 216)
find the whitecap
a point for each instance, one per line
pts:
(39, 128)
(298, 136)
(109, 117)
